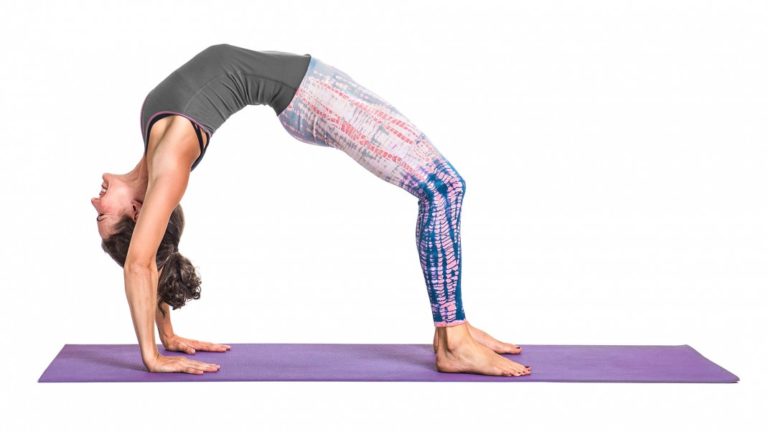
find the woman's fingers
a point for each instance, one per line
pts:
(198, 366)
(182, 347)
(208, 346)
(216, 347)
(190, 346)
(181, 364)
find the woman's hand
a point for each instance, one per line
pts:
(189, 346)
(180, 364)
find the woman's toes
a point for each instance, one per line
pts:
(507, 348)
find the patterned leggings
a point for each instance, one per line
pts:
(331, 109)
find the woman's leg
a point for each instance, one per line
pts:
(331, 109)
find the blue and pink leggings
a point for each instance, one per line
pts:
(331, 109)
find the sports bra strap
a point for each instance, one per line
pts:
(200, 141)
(197, 131)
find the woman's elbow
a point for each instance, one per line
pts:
(137, 267)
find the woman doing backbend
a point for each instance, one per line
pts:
(140, 220)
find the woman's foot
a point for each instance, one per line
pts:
(457, 351)
(487, 340)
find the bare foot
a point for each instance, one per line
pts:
(487, 340)
(457, 351)
(492, 343)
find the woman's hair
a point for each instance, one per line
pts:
(178, 280)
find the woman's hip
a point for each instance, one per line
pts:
(331, 109)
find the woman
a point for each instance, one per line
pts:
(140, 219)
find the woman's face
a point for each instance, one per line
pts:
(114, 201)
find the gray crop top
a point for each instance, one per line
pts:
(218, 82)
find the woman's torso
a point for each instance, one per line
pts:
(218, 82)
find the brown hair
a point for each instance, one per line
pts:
(178, 280)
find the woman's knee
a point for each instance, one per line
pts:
(442, 184)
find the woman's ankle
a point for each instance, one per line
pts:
(452, 337)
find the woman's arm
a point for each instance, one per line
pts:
(164, 327)
(141, 292)
(166, 185)
(167, 181)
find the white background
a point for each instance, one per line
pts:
(615, 160)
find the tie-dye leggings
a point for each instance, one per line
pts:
(331, 109)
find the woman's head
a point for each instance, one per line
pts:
(120, 195)
(178, 281)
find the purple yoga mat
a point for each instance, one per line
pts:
(390, 362)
